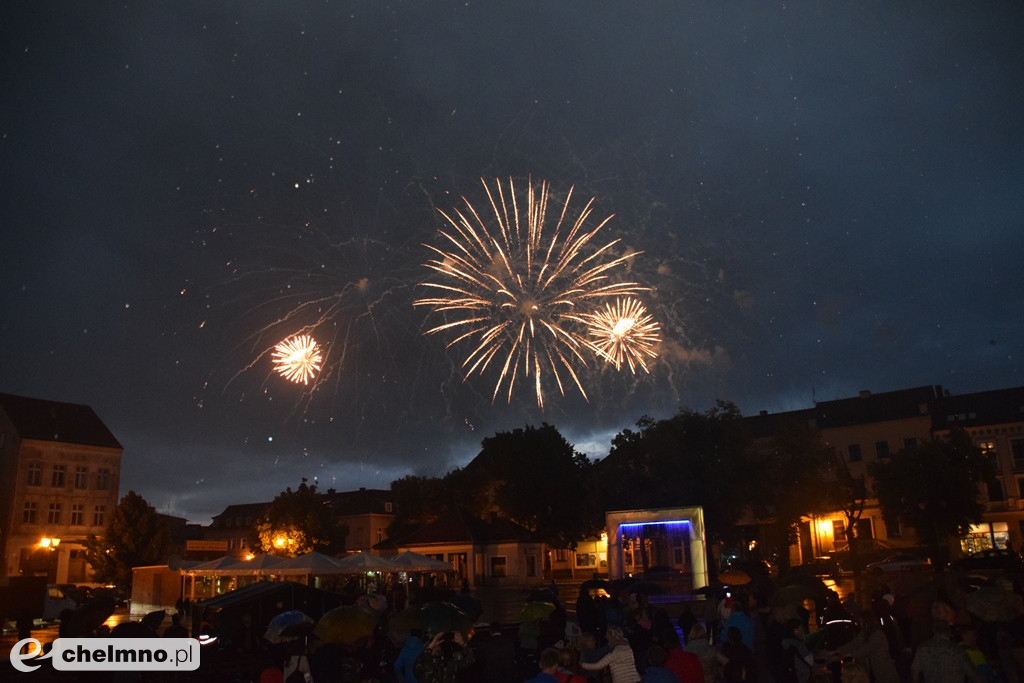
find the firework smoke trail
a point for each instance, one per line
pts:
(521, 296)
(625, 331)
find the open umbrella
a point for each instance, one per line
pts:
(734, 577)
(796, 593)
(535, 611)
(359, 563)
(646, 588)
(410, 561)
(346, 625)
(431, 617)
(596, 584)
(993, 603)
(276, 629)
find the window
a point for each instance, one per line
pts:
(232, 544)
(28, 515)
(909, 442)
(499, 567)
(854, 452)
(380, 534)
(103, 478)
(243, 543)
(1017, 450)
(893, 529)
(995, 490)
(81, 477)
(388, 507)
(77, 514)
(531, 565)
(881, 449)
(35, 474)
(53, 514)
(99, 515)
(57, 480)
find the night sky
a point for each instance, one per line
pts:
(828, 197)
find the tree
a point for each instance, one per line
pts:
(848, 493)
(933, 487)
(134, 536)
(418, 501)
(792, 471)
(690, 459)
(538, 480)
(298, 522)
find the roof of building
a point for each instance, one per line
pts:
(866, 408)
(43, 420)
(999, 406)
(460, 527)
(360, 502)
(252, 510)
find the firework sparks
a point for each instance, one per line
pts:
(519, 295)
(297, 358)
(625, 331)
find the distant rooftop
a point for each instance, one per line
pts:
(42, 420)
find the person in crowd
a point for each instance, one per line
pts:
(591, 652)
(443, 658)
(788, 657)
(405, 662)
(497, 656)
(712, 661)
(656, 672)
(741, 665)
(176, 629)
(969, 644)
(741, 621)
(685, 665)
(871, 649)
(620, 660)
(548, 662)
(940, 660)
(569, 666)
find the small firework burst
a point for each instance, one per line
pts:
(297, 358)
(625, 331)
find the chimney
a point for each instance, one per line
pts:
(865, 393)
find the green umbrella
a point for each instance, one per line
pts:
(535, 611)
(346, 625)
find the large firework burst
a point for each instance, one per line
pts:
(520, 295)
(297, 358)
(624, 331)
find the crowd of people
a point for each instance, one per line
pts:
(616, 637)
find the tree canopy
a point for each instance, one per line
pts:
(933, 487)
(689, 459)
(298, 522)
(135, 535)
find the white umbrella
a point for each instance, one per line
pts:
(366, 562)
(410, 561)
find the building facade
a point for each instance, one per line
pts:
(60, 470)
(873, 427)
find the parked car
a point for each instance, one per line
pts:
(899, 562)
(56, 601)
(820, 567)
(991, 559)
